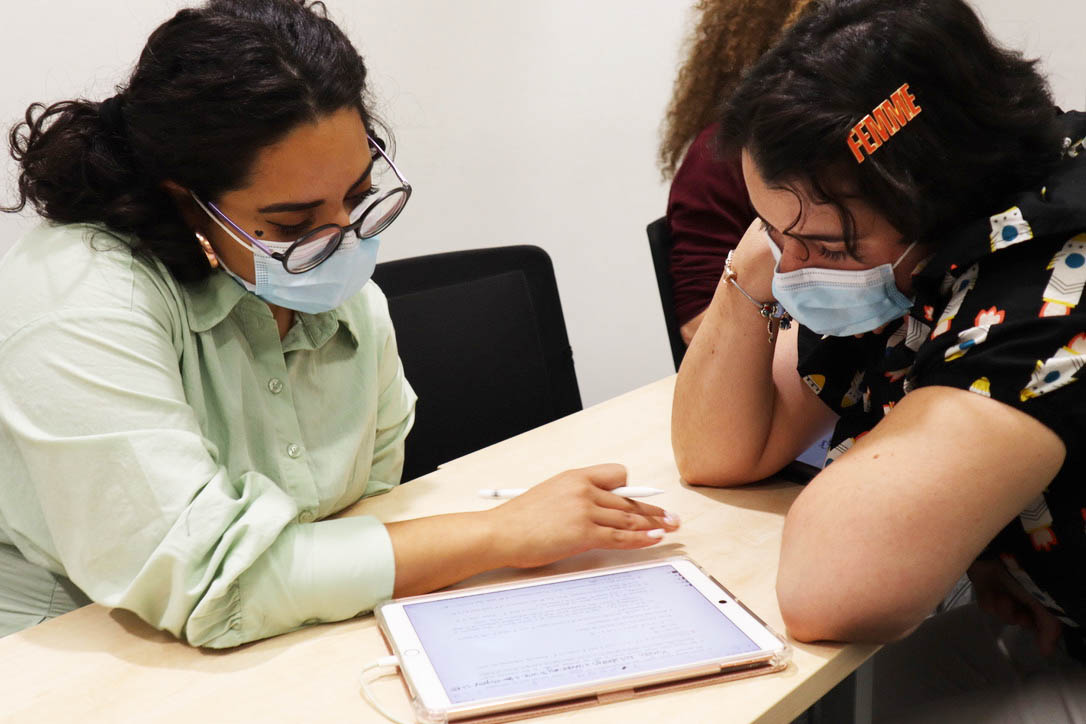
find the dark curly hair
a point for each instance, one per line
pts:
(213, 86)
(987, 126)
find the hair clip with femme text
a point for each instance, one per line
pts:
(884, 121)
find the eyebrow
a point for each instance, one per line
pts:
(305, 205)
(806, 237)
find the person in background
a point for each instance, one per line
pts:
(916, 271)
(708, 209)
(195, 372)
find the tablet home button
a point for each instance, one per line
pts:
(411, 652)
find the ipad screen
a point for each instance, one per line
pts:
(511, 642)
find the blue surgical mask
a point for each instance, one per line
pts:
(320, 289)
(840, 302)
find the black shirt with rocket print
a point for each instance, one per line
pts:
(999, 311)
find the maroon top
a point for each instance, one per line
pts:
(708, 211)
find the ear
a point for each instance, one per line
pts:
(182, 199)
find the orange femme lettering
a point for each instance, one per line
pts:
(882, 123)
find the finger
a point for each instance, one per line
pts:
(615, 538)
(607, 475)
(624, 520)
(610, 500)
(1048, 628)
(615, 502)
(1032, 614)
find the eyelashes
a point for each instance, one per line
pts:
(296, 229)
(821, 248)
(832, 254)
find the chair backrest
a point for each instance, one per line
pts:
(660, 245)
(483, 342)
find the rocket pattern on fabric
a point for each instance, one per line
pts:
(962, 285)
(1008, 229)
(1064, 290)
(815, 382)
(839, 449)
(1058, 370)
(1036, 520)
(915, 333)
(982, 386)
(853, 395)
(969, 338)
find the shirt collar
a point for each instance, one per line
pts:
(212, 299)
(318, 329)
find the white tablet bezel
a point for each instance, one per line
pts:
(432, 703)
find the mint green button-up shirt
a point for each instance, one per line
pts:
(166, 452)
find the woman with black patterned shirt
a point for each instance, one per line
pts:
(922, 217)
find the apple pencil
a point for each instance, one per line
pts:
(630, 491)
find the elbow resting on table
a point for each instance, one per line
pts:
(828, 616)
(712, 464)
(696, 470)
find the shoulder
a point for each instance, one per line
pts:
(80, 269)
(710, 182)
(705, 160)
(367, 315)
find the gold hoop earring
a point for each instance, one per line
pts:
(205, 246)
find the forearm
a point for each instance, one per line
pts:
(688, 329)
(724, 395)
(565, 515)
(438, 551)
(875, 540)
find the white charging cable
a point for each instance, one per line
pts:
(383, 662)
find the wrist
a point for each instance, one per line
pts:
(496, 546)
(773, 313)
(753, 265)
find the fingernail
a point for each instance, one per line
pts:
(656, 533)
(671, 519)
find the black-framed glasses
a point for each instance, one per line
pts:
(367, 220)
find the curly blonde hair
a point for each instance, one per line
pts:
(730, 36)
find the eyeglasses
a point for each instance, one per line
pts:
(367, 220)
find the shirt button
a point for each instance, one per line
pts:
(275, 385)
(294, 450)
(307, 516)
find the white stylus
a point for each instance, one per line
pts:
(630, 491)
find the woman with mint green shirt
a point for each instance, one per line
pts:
(194, 369)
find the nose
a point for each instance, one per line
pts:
(342, 217)
(794, 255)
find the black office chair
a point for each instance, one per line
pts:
(660, 246)
(483, 342)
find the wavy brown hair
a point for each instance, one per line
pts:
(730, 36)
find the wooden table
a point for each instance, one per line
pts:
(98, 665)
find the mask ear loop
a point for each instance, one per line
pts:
(221, 225)
(903, 255)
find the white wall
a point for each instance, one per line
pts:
(518, 121)
(1053, 31)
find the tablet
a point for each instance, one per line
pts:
(573, 640)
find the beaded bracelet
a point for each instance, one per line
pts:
(772, 311)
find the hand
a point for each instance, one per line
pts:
(753, 263)
(571, 513)
(1002, 596)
